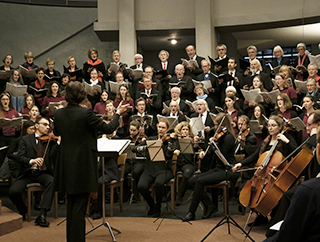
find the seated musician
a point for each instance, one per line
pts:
(135, 166)
(311, 171)
(284, 144)
(217, 173)
(185, 162)
(35, 168)
(245, 137)
(301, 222)
(157, 172)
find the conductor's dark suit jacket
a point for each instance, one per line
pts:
(76, 168)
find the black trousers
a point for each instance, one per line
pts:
(187, 172)
(19, 186)
(210, 177)
(159, 180)
(76, 211)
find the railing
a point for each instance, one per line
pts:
(57, 3)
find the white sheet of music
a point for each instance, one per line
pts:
(114, 145)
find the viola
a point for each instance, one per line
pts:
(223, 131)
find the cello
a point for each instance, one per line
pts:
(272, 178)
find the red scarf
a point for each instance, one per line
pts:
(97, 62)
(38, 85)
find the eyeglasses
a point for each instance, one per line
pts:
(45, 124)
(220, 49)
(272, 125)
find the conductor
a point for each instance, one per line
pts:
(76, 170)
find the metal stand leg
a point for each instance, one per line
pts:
(104, 222)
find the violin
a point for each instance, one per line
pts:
(49, 137)
(166, 138)
(223, 131)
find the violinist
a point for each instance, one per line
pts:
(36, 166)
(301, 222)
(245, 138)
(285, 146)
(185, 162)
(259, 114)
(157, 172)
(135, 167)
(226, 144)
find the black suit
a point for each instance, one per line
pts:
(267, 83)
(156, 106)
(182, 105)
(197, 71)
(164, 81)
(283, 61)
(187, 88)
(214, 95)
(27, 151)
(76, 171)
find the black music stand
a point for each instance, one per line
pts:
(227, 218)
(108, 148)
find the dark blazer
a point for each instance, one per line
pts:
(76, 167)
(196, 72)
(208, 122)
(156, 107)
(187, 89)
(283, 61)
(133, 67)
(28, 150)
(169, 68)
(182, 105)
(265, 78)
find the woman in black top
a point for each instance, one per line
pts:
(226, 144)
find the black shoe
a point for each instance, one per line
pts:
(41, 221)
(189, 217)
(151, 211)
(259, 221)
(96, 215)
(23, 214)
(241, 208)
(211, 209)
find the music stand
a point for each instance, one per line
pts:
(227, 218)
(108, 148)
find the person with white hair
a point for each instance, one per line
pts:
(252, 54)
(313, 73)
(301, 60)
(256, 69)
(138, 62)
(175, 96)
(279, 59)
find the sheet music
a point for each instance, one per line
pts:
(155, 150)
(112, 146)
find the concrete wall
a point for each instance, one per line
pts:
(37, 28)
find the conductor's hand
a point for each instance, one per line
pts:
(37, 161)
(122, 108)
(176, 152)
(236, 167)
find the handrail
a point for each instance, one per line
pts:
(53, 3)
(64, 40)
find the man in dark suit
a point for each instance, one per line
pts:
(138, 62)
(193, 71)
(256, 69)
(207, 75)
(152, 97)
(164, 70)
(148, 71)
(35, 168)
(175, 96)
(76, 166)
(252, 53)
(138, 65)
(222, 54)
(186, 85)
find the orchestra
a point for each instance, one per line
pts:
(223, 113)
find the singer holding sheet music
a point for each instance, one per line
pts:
(76, 168)
(217, 173)
(39, 87)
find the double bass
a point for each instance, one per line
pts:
(272, 178)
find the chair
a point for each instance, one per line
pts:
(114, 184)
(35, 187)
(224, 185)
(170, 184)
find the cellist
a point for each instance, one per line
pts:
(285, 146)
(311, 171)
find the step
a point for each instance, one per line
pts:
(9, 221)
